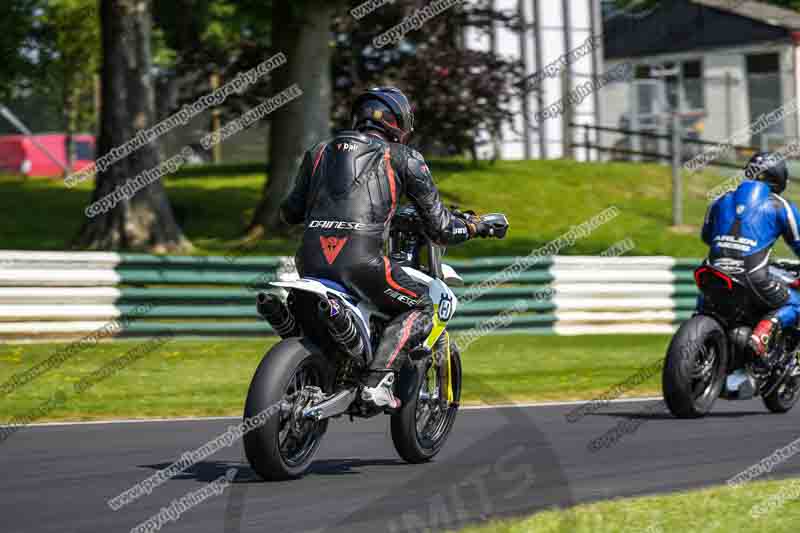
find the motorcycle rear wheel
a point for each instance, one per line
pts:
(285, 446)
(425, 419)
(695, 367)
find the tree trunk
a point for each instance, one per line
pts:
(69, 126)
(295, 127)
(145, 221)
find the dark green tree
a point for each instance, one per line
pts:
(18, 34)
(331, 57)
(456, 91)
(70, 56)
(145, 221)
(302, 31)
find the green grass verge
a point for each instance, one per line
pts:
(542, 199)
(196, 378)
(713, 510)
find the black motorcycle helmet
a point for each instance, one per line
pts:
(769, 168)
(385, 109)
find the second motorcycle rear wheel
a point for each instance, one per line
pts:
(695, 367)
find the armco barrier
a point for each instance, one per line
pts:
(65, 294)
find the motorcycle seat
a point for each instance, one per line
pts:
(336, 287)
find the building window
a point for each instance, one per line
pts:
(690, 83)
(764, 90)
(693, 85)
(642, 72)
(763, 64)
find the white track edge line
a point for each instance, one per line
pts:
(216, 418)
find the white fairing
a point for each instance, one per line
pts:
(451, 277)
(440, 293)
(308, 285)
(363, 310)
(444, 299)
(417, 275)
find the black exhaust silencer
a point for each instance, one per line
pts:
(274, 311)
(342, 327)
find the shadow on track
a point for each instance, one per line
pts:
(667, 416)
(510, 470)
(208, 471)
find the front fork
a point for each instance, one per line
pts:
(447, 373)
(441, 362)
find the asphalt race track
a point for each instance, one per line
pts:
(498, 462)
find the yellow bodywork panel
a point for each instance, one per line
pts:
(438, 328)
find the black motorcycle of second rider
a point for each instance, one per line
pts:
(743, 340)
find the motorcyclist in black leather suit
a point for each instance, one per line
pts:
(346, 193)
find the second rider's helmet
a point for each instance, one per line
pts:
(385, 109)
(769, 168)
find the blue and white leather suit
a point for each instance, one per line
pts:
(740, 228)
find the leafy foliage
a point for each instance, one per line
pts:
(47, 76)
(17, 37)
(204, 37)
(70, 55)
(456, 92)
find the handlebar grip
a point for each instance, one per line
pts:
(791, 266)
(496, 224)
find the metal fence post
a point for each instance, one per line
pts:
(728, 105)
(586, 144)
(677, 185)
(216, 121)
(526, 108)
(635, 142)
(567, 116)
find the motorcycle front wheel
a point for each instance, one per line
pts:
(425, 419)
(695, 367)
(284, 446)
(785, 395)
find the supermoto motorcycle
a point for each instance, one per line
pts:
(709, 356)
(316, 372)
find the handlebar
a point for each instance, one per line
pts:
(787, 272)
(787, 265)
(492, 224)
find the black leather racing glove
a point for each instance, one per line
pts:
(491, 225)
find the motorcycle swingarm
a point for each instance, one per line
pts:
(791, 370)
(333, 406)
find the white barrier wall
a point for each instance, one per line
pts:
(68, 294)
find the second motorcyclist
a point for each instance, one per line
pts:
(741, 228)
